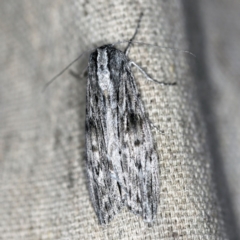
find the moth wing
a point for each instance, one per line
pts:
(122, 162)
(139, 156)
(102, 156)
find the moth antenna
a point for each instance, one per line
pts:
(60, 73)
(152, 45)
(170, 48)
(130, 42)
(134, 35)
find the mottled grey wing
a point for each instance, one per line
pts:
(122, 162)
(139, 156)
(102, 149)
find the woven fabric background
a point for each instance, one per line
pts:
(43, 185)
(214, 32)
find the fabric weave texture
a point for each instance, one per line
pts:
(43, 183)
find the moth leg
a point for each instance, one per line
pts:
(84, 72)
(74, 74)
(151, 79)
(156, 127)
(77, 75)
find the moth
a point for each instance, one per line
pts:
(122, 161)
